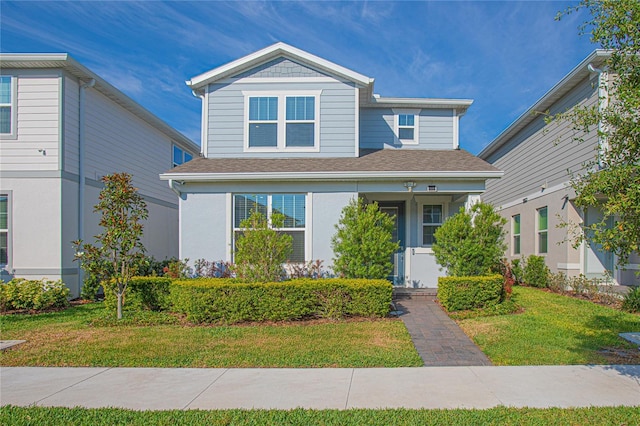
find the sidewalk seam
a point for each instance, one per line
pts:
(346, 403)
(72, 385)
(205, 389)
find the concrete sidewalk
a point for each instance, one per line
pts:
(323, 388)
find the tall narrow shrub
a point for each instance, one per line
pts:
(363, 242)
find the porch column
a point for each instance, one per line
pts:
(471, 200)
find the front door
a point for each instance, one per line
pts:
(396, 210)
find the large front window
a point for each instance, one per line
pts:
(431, 220)
(287, 121)
(6, 105)
(291, 206)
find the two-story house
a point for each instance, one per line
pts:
(62, 128)
(538, 159)
(284, 130)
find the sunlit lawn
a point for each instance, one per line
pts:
(553, 329)
(67, 339)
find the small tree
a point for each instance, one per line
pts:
(261, 250)
(363, 244)
(471, 242)
(118, 252)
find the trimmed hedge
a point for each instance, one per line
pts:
(461, 293)
(223, 300)
(20, 293)
(143, 293)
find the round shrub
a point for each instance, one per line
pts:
(38, 295)
(536, 273)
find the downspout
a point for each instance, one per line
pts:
(81, 170)
(173, 184)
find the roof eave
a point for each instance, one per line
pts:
(329, 176)
(385, 102)
(558, 90)
(272, 52)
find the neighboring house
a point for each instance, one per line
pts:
(61, 124)
(534, 194)
(284, 130)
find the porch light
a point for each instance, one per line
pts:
(410, 185)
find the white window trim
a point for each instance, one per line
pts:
(539, 231)
(282, 120)
(184, 153)
(416, 125)
(14, 108)
(514, 235)
(445, 213)
(308, 218)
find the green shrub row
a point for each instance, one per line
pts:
(461, 293)
(20, 293)
(143, 293)
(222, 300)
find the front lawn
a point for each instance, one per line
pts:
(494, 416)
(554, 329)
(66, 338)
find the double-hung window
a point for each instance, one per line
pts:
(4, 229)
(291, 206)
(431, 220)
(7, 105)
(180, 156)
(515, 225)
(542, 230)
(263, 121)
(282, 121)
(406, 125)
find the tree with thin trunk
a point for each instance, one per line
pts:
(118, 252)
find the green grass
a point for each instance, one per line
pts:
(494, 416)
(66, 338)
(553, 329)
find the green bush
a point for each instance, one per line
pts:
(143, 293)
(536, 273)
(38, 295)
(631, 301)
(461, 293)
(224, 300)
(471, 243)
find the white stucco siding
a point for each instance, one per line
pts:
(118, 141)
(203, 226)
(70, 124)
(35, 144)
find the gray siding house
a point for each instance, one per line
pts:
(62, 128)
(535, 196)
(284, 130)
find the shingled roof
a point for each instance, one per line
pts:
(373, 164)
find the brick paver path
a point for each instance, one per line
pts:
(438, 340)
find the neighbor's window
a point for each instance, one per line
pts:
(516, 233)
(406, 127)
(6, 105)
(180, 156)
(431, 220)
(300, 121)
(263, 121)
(291, 206)
(4, 229)
(542, 230)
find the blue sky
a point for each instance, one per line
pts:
(503, 55)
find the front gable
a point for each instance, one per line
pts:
(281, 68)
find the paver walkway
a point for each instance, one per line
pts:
(437, 338)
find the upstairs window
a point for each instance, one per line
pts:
(180, 156)
(406, 127)
(7, 107)
(263, 122)
(282, 121)
(300, 121)
(542, 230)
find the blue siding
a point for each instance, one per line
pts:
(280, 67)
(377, 129)
(225, 130)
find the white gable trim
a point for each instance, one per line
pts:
(272, 52)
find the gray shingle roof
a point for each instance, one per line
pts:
(381, 161)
